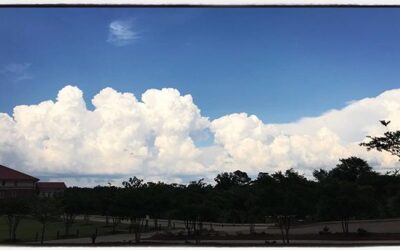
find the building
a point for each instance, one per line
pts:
(17, 184)
(14, 183)
(50, 189)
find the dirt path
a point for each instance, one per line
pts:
(293, 242)
(101, 239)
(373, 226)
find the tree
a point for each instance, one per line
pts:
(132, 200)
(44, 210)
(71, 207)
(320, 175)
(346, 191)
(351, 169)
(339, 201)
(117, 210)
(226, 180)
(14, 209)
(295, 199)
(105, 200)
(133, 183)
(193, 206)
(284, 222)
(389, 142)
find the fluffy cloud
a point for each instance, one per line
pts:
(120, 136)
(156, 137)
(314, 142)
(121, 33)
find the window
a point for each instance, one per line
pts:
(15, 183)
(3, 183)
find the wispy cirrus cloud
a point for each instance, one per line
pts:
(121, 32)
(17, 71)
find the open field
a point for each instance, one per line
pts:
(380, 232)
(391, 226)
(28, 228)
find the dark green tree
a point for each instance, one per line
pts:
(45, 210)
(389, 142)
(226, 180)
(346, 191)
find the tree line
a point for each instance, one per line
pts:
(351, 190)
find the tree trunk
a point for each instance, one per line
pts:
(283, 235)
(156, 223)
(287, 228)
(188, 228)
(287, 236)
(284, 223)
(252, 231)
(43, 230)
(195, 231)
(66, 228)
(86, 218)
(115, 223)
(68, 221)
(345, 224)
(138, 227)
(10, 226)
(14, 233)
(169, 223)
(280, 224)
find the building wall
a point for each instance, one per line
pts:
(12, 193)
(50, 192)
(16, 184)
(9, 189)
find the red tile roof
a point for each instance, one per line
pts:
(11, 174)
(51, 185)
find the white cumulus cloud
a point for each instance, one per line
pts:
(155, 137)
(312, 142)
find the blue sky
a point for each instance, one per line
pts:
(280, 64)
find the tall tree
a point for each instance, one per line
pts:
(352, 169)
(132, 198)
(44, 210)
(346, 191)
(227, 180)
(71, 202)
(389, 142)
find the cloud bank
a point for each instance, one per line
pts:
(156, 137)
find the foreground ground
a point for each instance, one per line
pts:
(29, 230)
(379, 232)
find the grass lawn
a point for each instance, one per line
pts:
(28, 227)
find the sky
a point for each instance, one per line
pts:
(92, 95)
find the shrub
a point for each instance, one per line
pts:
(325, 231)
(362, 231)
